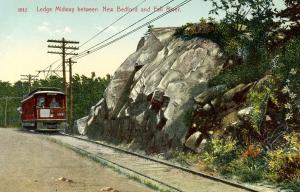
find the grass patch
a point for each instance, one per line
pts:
(183, 158)
(290, 186)
(151, 185)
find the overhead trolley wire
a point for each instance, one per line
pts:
(48, 67)
(107, 27)
(114, 35)
(130, 32)
(112, 23)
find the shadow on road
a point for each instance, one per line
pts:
(32, 132)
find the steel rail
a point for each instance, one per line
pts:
(197, 173)
(126, 168)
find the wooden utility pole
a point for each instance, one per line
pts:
(63, 46)
(63, 52)
(29, 78)
(70, 94)
(6, 98)
(5, 112)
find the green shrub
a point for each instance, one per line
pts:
(258, 98)
(286, 68)
(248, 169)
(284, 163)
(204, 28)
(239, 74)
(220, 152)
(290, 57)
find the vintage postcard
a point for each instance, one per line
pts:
(149, 95)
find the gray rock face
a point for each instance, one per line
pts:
(81, 124)
(151, 92)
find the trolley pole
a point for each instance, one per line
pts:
(48, 73)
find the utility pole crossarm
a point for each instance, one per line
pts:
(59, 47)
(32, 76)
(60, 53)
(70, 61)
(62, 41)
(44, 71)
(52, 52)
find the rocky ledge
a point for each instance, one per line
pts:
(152, 93)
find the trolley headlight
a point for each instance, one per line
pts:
(60, 114)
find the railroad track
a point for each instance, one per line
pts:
(172, 177)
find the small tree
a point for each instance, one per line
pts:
(291, 15)
(150, 27)
(250, 20)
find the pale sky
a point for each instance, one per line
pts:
(23, 36)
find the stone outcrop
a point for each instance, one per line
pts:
(151, 93)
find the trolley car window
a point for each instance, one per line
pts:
(41, 102)
(54, 103)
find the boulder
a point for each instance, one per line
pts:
(244, 114)
(192, 140)
(230, 120)
(81, 124)
(201, 146)
(196, 142)
(265, 81)
(210, 94)
(228, 96)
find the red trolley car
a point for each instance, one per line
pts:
(44, 109)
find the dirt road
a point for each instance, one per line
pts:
(31, 163)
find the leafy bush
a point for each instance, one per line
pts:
(249, 169)
(288, 59)
(286, 68)
(204, 27)
(220, 152)
(284, 163)
(252, 151)
(258, 98)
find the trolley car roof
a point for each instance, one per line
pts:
(43, 91)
